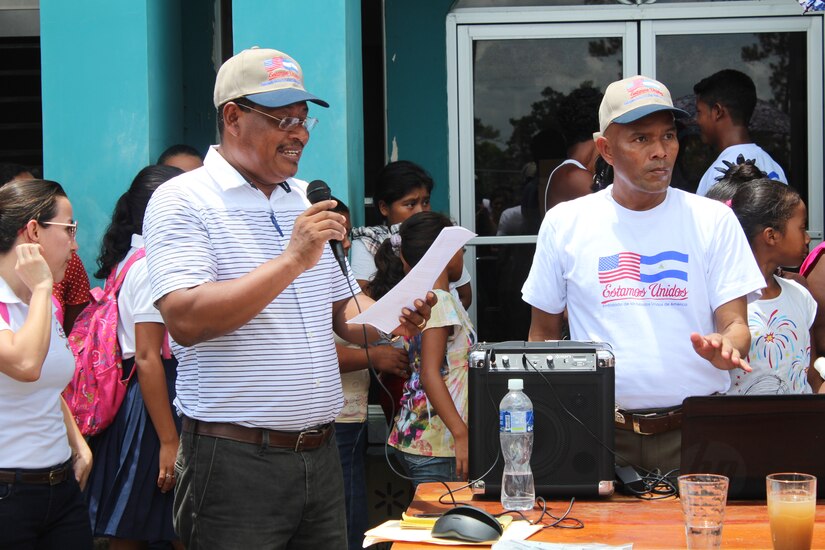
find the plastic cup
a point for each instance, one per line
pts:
(704, 497)
(791, 509)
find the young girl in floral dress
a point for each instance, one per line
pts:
(430, 429)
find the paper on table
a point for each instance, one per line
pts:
(384, 313)
(391, 531)
(418, 522)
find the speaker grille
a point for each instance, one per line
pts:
(568, 458)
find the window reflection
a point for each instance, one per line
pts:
(518, 137)
(776, 62)
(518, 86)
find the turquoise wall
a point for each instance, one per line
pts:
(324, 36)
(111, 100)
(416, 73)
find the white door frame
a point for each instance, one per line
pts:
(461, 107)
(466, 25)
(638, 25)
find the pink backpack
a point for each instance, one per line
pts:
(97, 388)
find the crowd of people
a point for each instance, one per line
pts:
(244, 421)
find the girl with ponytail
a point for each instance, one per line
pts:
(131, 486)
(430, 429)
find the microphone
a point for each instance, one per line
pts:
(318, 191)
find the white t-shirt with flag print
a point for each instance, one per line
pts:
(642, 282)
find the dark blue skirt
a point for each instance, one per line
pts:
(124, 499)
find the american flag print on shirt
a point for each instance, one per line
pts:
(646, 269)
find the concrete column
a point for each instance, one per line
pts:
(112, 100)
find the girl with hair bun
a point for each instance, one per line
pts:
(44, 460)
(774, 219)
(131, 486)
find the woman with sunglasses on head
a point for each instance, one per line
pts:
(44, 460)
(131, 486)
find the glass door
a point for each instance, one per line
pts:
(506, 80)
(510, 80)
(783, 56)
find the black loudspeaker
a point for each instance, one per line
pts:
(571, 387)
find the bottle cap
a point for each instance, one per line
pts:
(515, 384)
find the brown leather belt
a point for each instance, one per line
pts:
(306, 440)
(649, 423)
(39, 477)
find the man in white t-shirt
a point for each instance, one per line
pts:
(724, 105)
(660, 274)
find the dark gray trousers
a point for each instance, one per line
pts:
(240, 495)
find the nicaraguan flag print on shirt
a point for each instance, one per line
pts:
(646, 269)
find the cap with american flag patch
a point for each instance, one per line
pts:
(264, 76)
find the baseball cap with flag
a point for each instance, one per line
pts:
(266, 77)
(632, 98)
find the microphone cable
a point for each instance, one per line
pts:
(376, 376)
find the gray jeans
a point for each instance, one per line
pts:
(240, 495)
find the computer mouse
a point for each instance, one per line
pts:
(467, 523)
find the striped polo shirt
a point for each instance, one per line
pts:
(280, 370)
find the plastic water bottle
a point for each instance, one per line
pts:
(518, 491)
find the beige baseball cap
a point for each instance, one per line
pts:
(266, 77)
(632, 98)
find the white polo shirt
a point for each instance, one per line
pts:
(280, 370)
(134, 301)
(32, 431)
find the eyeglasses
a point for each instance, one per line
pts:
(290, 122)
(70, 227)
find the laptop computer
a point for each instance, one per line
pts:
(748, 437)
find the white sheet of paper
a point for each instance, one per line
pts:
(390, 531)
(384, 313)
